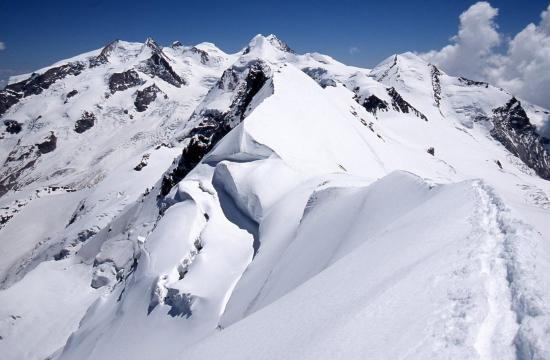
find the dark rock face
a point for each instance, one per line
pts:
(229, 79)
(399, 104)
(202, 139)
(62, 254)
(48, 145)
(436, 84)
(472, 82)
(21, 159)
(145, 97)
(387, 72)
(86, 122)
(8, 98)
(143, 163)
(12, 126)
(373, 104)
(203, 54)
(320, 75)
(103, 57)
(214, 125)
(124, 80)
(279, 44)
(35, 84)
(513, 129)
(253, 82)
(72, 93)
(157, 66)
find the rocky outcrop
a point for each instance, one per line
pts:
(145, 97)
(399, 104)
(469, 82)
(512, 128)
(279, 44)
(35, 84)
(103, 57)
(48, 145)
(373, 104)
(143, 163)
(86, 122)
(201, 53)
(436, 84)
(214, 125)
(386, 73)
(320, 76)
(21, 159)
(124, 80)
(71, 93)
(12, 126)
(158, 66)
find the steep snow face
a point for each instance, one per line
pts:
(386, 213)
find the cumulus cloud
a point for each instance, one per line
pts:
(2, 45)
(477, 37)
(522, 67)
(354, 50)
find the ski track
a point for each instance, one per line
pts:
(499, 324)
(512, 302)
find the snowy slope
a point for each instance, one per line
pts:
(299, 208)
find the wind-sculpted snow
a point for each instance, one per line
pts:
(454, 280)
(271, 205)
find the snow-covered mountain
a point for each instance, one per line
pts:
(184, 203)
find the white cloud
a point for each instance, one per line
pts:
(523, 67)
(354, 50)
(477, 37)
(2, 45)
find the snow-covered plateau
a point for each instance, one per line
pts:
(179, 202)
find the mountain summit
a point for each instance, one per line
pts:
(179, 202)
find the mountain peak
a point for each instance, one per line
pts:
(396, 63)
(108, 49)
(261, 42)
(176, 44)
(403, 60)
(152, 44)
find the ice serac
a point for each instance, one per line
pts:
(178, 202)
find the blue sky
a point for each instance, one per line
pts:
(38, 33)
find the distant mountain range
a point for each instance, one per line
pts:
(178, 202)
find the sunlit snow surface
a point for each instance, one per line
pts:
(314, 229)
